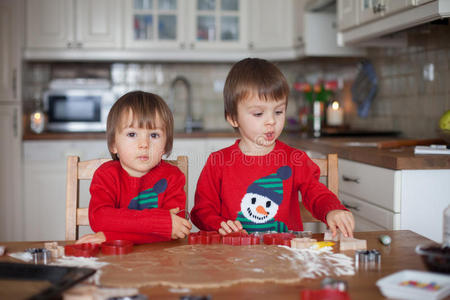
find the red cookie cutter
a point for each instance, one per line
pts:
(204, 238)
(117, 247)
(283, 238)
(240, 238)
(324, 294)
(84, 250)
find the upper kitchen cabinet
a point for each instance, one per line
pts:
(186, 30)
(286, 29)
(373, 19)
(155, 24)
(66, 28)
(10, 49)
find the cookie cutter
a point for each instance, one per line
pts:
(301, 234)
(240, 239)
(40, 255)
(334, 284)
(82, 250)
(370, 259)
(283, 238)
(204, 238)
(117, 247)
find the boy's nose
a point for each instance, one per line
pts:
(270, 119)
(144, 143)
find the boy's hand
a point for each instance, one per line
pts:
(341, 219)
(180, 226)
(230, 226)
(94, 238)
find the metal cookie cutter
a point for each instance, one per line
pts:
(40, 255)
(370, 259)
(334, 284)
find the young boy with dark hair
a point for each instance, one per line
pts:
(253, 185)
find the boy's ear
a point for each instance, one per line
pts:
(232, 122)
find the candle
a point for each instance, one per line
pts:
(335, 114)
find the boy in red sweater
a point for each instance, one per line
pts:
(254, 184)
(137, 196)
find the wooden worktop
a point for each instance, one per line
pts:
(400, 255)
(102, 135)
(401, 158)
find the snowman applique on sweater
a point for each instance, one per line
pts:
(260, 204)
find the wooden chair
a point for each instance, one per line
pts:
(329, 169)
(84, 170)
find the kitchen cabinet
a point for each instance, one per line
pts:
(190, 29)
(73, 25)
(44, 183)
(11, 27)
(377, 18)
(286, 30)
(10, 46)
(347, 14)
(383, 199)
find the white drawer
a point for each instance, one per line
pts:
(375, 185)
(381, 217)
(363, 225)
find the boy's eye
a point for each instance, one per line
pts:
(154, 135)
(279, 112)
(257, 114)
(131, 134)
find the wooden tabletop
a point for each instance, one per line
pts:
(400, 255)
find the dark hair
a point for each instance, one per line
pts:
(145, 107)
(253, 75)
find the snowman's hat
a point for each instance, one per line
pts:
(271, 186)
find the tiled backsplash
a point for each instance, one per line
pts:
(405, 101)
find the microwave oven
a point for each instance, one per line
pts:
(76, 109)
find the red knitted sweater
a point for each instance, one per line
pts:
(135, 208)
(232, 184)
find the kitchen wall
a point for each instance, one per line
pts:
(405, 101)
(206, 80)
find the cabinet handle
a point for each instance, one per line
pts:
(192, 45)
(350, 179)
(349, 206)
(79, 44)
(251, 46)
(15, 125)
(14, 83)
(379, 8)
(69, 44)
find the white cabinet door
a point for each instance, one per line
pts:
(44, 185)
(394, 6)
(275, 24)
(98, 24)
(49, 23)
(347, 14)
(11, 209)
(152, 24)
(74, 24)
(10, 50)
(217, 24)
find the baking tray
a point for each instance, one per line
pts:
(61, 278)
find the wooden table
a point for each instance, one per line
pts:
(398, 256)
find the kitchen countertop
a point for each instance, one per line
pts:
(402, 158)
(102, 135)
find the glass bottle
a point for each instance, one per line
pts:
(37, 116)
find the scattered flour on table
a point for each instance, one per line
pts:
(86, 262)
(321, 262)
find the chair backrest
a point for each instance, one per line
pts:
(84, 170)
(329, 169)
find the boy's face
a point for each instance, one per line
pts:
(139, 149)
(260, 123)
